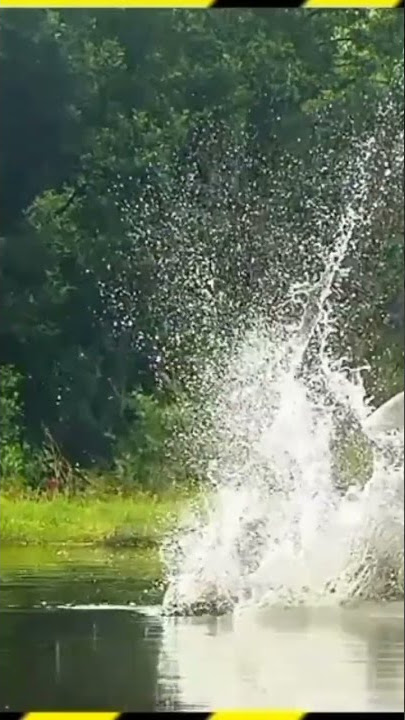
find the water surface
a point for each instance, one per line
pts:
(83, 630)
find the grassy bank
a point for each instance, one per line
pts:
(140, 519)
(131, 519)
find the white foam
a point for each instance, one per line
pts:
(277, 527)
(390, 416)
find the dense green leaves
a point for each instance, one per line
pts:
(104, 114)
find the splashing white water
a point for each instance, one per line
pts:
(277, 527)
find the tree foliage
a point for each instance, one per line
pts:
(104, 113)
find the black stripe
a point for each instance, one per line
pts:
(166, 715)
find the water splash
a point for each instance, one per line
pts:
(278, 524)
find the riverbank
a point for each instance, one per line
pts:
(137, 520)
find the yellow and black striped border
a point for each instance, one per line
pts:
(200, 4)
(218, 715)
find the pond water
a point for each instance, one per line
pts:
(83, 630)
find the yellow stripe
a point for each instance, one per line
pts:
(105, 3)
(258, 715)
(71, 716)
(351, 3)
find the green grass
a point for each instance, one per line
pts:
(140, 519)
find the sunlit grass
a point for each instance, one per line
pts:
(140, 519)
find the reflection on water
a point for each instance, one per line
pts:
(72, 660)
(104, 653)
(324, 660)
